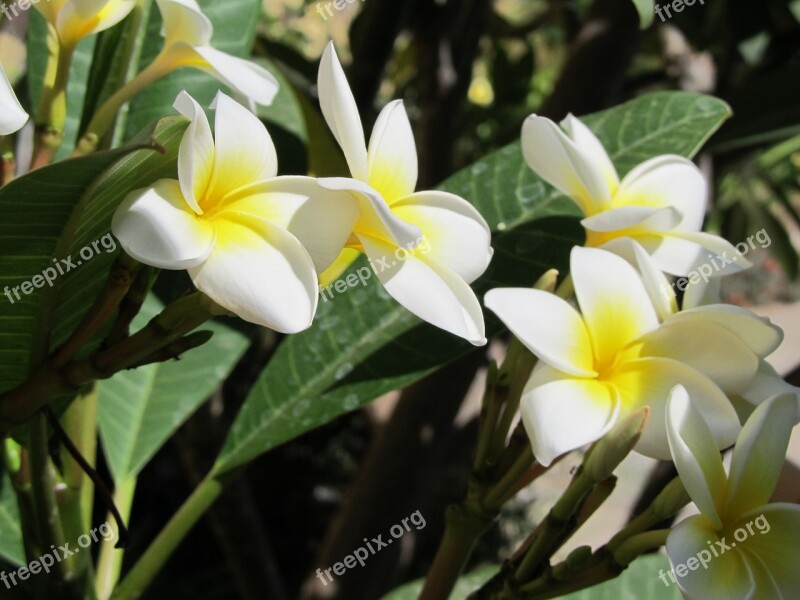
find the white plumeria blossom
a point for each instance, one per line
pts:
(253, 242)
(594, 367)
(187, 43)
(12, 115)
(75, 19)
(661, 203)
(742, 562)
(741, 328)
(434, 284)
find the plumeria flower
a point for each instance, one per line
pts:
(187, 43)
(594, 368)
(740, 328)
(743, 542)
(430, 279)
(12, 115)
(73, 20)
(661, 203)
(251, 241)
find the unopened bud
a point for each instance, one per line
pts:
(671, 499)
(547, 282)
(611, 450)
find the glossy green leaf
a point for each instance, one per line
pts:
(285, 111)
(140, 409)
(363, 344)
(56, 213)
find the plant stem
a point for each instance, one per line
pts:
(462, 530)
(105, 117)
(51, 114)
(177, 319)
(49, 528)
(79, 424)
(117, 286)
(154, 558)
(109, 563)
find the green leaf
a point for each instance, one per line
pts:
(285, 111)
(79, 75)
(363, 344)
(234, 31)
(140, 409)
(58, 212)
(646, 10)
(464, 587)
(11, 544)
(639, 581)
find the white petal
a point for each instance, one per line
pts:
(667, 181)
(700, 293)
(244, 152)
(591, 148)
(560, 162)
(157, 227)
(321, 219)
(696, 455)
(196, 153)
(706, 346)
(430, 291)
(341, 113)
(80, 18)
(658, 287)
(261, 273)
(564, 415)
(377, 219)
(393, 154)
(694, 254)
(547, 326)
(649, 382)
(768, 383)
(12, 116)
(243, 76)
(455, 233)
(50, 9)
(759, 333)
(776, 528)
(640, 219)
(726, 576)
(185, 22)
(613, 301)
(760, 453)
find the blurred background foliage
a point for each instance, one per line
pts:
(469, 72)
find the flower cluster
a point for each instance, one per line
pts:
(628, 345)
(700, 367)
(257, 243)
